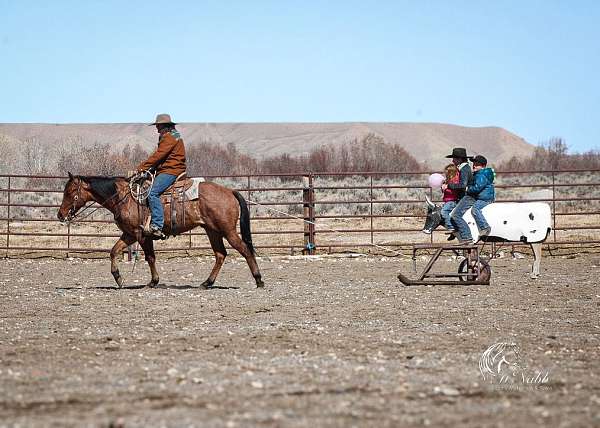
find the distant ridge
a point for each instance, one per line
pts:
(427, 142)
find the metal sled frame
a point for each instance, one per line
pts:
(470, 277)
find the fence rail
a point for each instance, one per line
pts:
(306, 212)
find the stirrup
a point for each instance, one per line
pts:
(153, 233)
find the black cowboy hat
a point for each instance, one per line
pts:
(458, 152)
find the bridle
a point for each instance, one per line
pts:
(73, 214)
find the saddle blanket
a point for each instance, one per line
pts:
(514, 221)
(192, 192)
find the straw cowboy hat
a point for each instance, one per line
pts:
(163, 119)
(458, 152)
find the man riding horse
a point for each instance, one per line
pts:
(215, 208)
(169, 161)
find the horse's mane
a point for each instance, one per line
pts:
(104, 187)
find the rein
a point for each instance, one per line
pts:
(76, 217)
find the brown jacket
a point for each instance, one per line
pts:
(169, 156)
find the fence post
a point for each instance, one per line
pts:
(553, 207)
(68, 237)
(248, 189)
(8, 219)
(308, 200)
(371, 190)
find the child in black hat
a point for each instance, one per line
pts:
(460, 159)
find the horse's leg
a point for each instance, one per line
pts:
(236, 242)
(148, 247)
(216, 242)
(124, 241)
(537, 258)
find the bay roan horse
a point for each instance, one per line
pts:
(216, 210)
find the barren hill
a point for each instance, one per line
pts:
(427, 142)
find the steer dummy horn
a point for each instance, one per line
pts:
(431, 204)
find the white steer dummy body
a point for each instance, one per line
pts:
(514, 221)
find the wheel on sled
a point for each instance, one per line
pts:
(474, 270)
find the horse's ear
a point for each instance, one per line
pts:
(70, 176)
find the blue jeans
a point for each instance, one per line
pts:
(478, 215)
(461, 226)
(161, 182)
(446, 210)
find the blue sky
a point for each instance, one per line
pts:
(531, 67)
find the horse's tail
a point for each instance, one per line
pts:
(245, 221)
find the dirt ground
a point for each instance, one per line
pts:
(330, 341)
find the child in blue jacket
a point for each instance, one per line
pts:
(482, 191)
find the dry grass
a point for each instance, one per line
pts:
(330, 231)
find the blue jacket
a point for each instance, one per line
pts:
(483, 185)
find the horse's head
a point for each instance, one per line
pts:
(434, 216)
(75, 196)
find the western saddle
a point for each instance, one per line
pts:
(173, 199)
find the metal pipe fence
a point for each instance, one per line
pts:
(311, 212)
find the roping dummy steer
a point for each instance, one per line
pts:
(528, 222)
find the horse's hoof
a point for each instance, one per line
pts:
(118, 278)
(152, 284)
(207, 284)
(260, 284)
